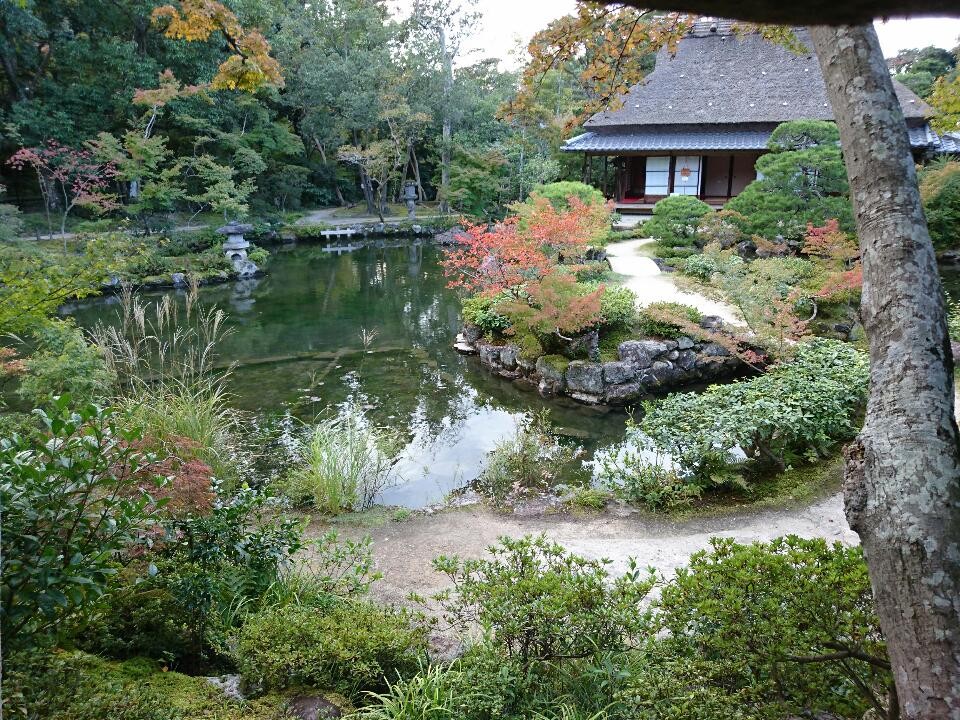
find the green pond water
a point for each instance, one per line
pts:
(298, 336)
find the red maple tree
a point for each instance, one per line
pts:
(69, 178)
(490, 261)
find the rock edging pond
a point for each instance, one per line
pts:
(645, 367)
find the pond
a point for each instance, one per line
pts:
(374, 325)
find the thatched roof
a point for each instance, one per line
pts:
(718, 78)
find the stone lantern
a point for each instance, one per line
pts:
(410, 198)
(235, 247)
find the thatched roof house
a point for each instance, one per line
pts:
(697, 124)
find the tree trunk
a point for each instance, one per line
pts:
(415, 169)
(447, 138)
(903, 472)
(336, 185)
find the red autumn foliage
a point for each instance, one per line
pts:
(523, 249)
(830, 243)
(555, 304)
(69, 177)
(566, 233)
(842, 286)
(189, 486)
(489, 261)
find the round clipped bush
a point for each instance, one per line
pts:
(666, 319)
(559, 194)
(618, 306)
(352, 648)
(675, 220)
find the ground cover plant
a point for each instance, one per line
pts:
(796, 412)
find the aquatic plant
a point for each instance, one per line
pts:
(345, 463)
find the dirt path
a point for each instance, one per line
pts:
(652, 285)
(325, 216)
(403, 551)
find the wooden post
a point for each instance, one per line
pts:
(673, 169)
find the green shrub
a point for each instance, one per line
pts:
(940, 190)
(345, 463)
(618, 306)
(641, 476)
(795, 411)
(700, 266)
(769, 630)
(95, 226)
(72, 502)
(258, 255)
(11, 222)
(480, 310)
(188, 604)
(351, 648)
(63, 364)
(559, 193)
(188, 242)
(653, 322)
(675, 220)
(542, 605)
(528, 461)
(592, 272)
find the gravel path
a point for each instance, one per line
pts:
(652, 285)
(403, 551)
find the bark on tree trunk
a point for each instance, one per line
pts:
(903, 472)
(447, 138)
(336, 186)
(415, 169)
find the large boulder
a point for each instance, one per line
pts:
(623, 393)
(640, 353)
(585, 377)
(490, 355)
(509, 355)
(618, 372)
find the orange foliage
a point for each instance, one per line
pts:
(830, 243)
(494, 260)
(566, 233)
(555, 304)
(248, 68)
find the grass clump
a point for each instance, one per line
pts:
(345, 462)
(165, 361)
(528, 462)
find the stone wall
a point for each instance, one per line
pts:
(645, 367)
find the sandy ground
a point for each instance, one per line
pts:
(403, 551)
(652, 285)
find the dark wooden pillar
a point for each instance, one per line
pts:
(673, 169)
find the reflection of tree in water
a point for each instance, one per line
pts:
(298, 338)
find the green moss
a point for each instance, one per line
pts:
(530, 347)
(80, 686)
(610, 341)
(557, 362)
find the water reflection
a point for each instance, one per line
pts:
(374, 325)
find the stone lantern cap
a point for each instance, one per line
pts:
(234, 232)
(235, 228)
